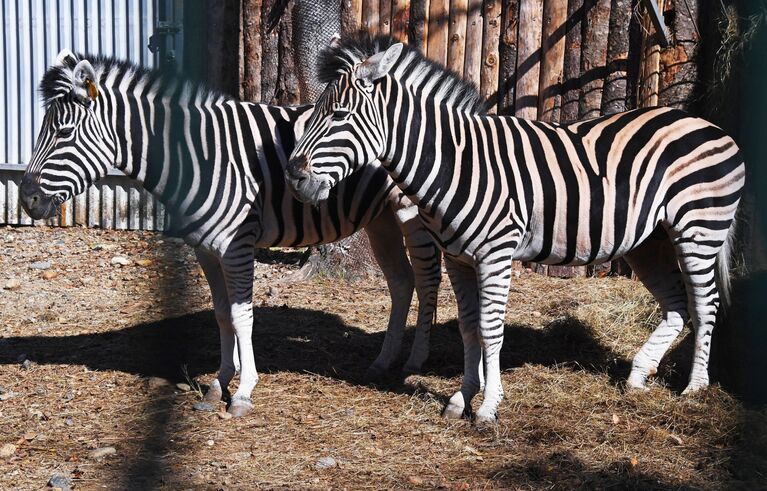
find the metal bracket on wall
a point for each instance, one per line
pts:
(657, 21)
(161, 30)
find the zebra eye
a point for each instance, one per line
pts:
(65, 131)
(340, 115)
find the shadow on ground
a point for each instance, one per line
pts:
(302, 340)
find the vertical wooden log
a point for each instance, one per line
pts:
(288, 92)
(529, 58)
(614, 91)
(507, 51)
(649, 73)
(418, 27)
(634, 57)
(456, 35)
(370, 15)
(438, 30)
(400, 18)
(596, 22)
(488, 75)
(553, 59)
(384, 17)
(251, 36)
(81, 209)
(357, 12)
(571, 89)
(269, 56)
(473, 57)
(679, 84)
(223, 47)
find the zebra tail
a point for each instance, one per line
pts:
(723, 258)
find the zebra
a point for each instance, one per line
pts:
(217, 165)
(657, 186)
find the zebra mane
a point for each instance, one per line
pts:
(352, 49)
(57, 80)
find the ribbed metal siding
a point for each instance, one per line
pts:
(33, 33)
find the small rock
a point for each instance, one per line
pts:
(57, 481)
(68, 396)
(224, 415)
(41, 265)
(203, 406)
(536, 313)
(26, 364)
(144, 262)
(105, 247)
(120, 261)
(86, 280)
(616, 419)
(49, 275)
(30, 435)
(69, 421)
(2, 390)
(415, 480)
(12, 284)
(183, 387)
(272, 292)
(6, 395)
(7, 450)
(100, 453)
(210, 443)
(325, 463)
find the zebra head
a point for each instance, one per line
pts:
(73, 148)
(347, 129)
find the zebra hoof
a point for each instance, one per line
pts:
(377, 376)
(694, 388)
(240, 407)
(214, 393)
(452, 411)
(485, 419)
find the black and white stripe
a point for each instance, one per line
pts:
(217, 165)
(657, 186)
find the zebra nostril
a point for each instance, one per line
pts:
(297, 167)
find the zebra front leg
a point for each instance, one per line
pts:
(464, 281)
(238, 272)
(211, 265)
(494, 278)
(386, 242)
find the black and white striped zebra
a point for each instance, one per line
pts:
(217, 165)
(656, 186)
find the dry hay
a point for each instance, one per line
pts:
(96, 335)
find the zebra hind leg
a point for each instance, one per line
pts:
(229, 358)
(464, 281)
(655, 264)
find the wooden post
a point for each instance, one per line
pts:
(456, 35)
(288, 92)
(400, 18)
(508, 55)
(571, 89)
(251, 32)
(614, 91)
(418, 27)
(437, 34)
(370, 15)
(488, 75)
(552, 62)
(529, 58)
(384, 17)
(679, 84)
(269, 57)
(649, 73)
(473, 60)
(596, 24)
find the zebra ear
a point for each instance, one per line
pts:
(84, 81)
(378, 65)
(66, 58)
(335, 41)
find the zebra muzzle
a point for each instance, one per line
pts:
(33, 200)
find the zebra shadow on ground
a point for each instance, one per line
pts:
(303, 340)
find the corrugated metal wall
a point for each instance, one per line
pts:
(33, 32)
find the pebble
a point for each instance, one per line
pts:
(183, 387)
(325, 463)
(68, 396)
(144, 262)
(2, 390)
(120, 261)
(203, 406)
(12, 284)
(7, 450)
(224, 415)
(69, 421)
(6, 395)
(41, 265)
(50, 275)
(26, 364)
(58, 481)
(100, 453)
(210, 443)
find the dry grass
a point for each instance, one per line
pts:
(565, 424)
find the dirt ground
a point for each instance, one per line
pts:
(91, 351)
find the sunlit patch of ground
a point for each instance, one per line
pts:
(96, 334)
